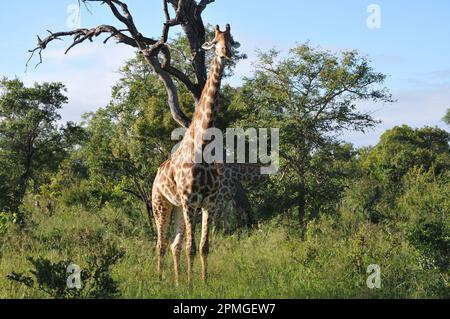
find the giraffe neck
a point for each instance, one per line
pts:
(206, 113)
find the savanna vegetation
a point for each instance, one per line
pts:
(79, 193)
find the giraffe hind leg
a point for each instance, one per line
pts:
(220, 214)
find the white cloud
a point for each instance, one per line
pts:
(416, 108)
(431, 80)
(88, 72)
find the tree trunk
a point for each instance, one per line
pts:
(23, 181)
(302, 211)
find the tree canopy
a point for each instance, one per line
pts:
(312, 96)
(32, 142)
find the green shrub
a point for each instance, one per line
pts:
(51, 278)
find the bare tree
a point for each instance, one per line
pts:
(156, 52)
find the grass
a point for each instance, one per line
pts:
(269, 262)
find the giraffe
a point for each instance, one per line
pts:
(183, 184)
(231, 176)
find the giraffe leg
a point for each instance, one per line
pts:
(217, 222)
(218, 218)
(189, 219)
(204, 244)
(162, 210)
(177, 243)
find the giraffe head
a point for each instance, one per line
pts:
(222, 43)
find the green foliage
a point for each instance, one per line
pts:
(269, 262)
(125, 147)
(311, 97)
(417, 214)
(51, 278)
(425, 205)
(6, 219)
(447, 117)
(404, 148)
(31, 143)
(331, 212)
(432, 240)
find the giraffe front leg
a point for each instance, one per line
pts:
(189, 219)
(204, 244)
(161, 245)
(177, 243)
(162, 211)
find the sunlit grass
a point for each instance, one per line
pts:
(270, 262)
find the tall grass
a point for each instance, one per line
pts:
(268, 262)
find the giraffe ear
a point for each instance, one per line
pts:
(208, 46)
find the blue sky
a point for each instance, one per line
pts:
(412, 47)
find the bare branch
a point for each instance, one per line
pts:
(149, 48)
(187, 14)
(203, 4)
(170, 22)
(126, 18)
(79, 36)
(172, 92)
(166, 65)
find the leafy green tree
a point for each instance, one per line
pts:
(403, 148)
(32, 144)
(312, 96)
(447, 117)
(384, 168)
(9, 174)
(422, 210)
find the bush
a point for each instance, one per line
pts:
(51, 278)
(424, 206)
(6, 219)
